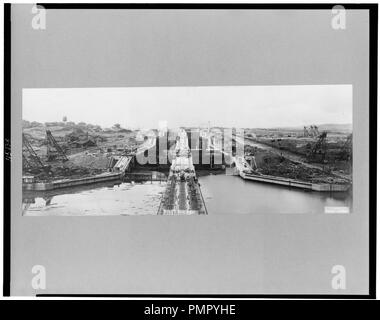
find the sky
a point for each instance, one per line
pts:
(227, 106)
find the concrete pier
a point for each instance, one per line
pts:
(182, 195)
(326, 187)
(65, 183)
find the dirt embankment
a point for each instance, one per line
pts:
(273, 163)
(303, 158)
(80, 165)
(85, 146)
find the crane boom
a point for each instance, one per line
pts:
(32, 160)
(54, 150)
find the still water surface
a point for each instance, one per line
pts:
(222, 194)
(232, 195)
(120, 199)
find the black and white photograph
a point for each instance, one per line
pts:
(228, 151)
(191, 150)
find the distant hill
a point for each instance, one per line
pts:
(335, 127)
(331, 127)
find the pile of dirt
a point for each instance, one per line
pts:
(281, 167)
(63, 172)
(88, 160)
(336, 146)
(80, 165)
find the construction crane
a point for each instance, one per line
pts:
(54, 151)
(25, 163)
(319, 148)
(315, 131)
(311, 132)
(305, 132)
(30, 158)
